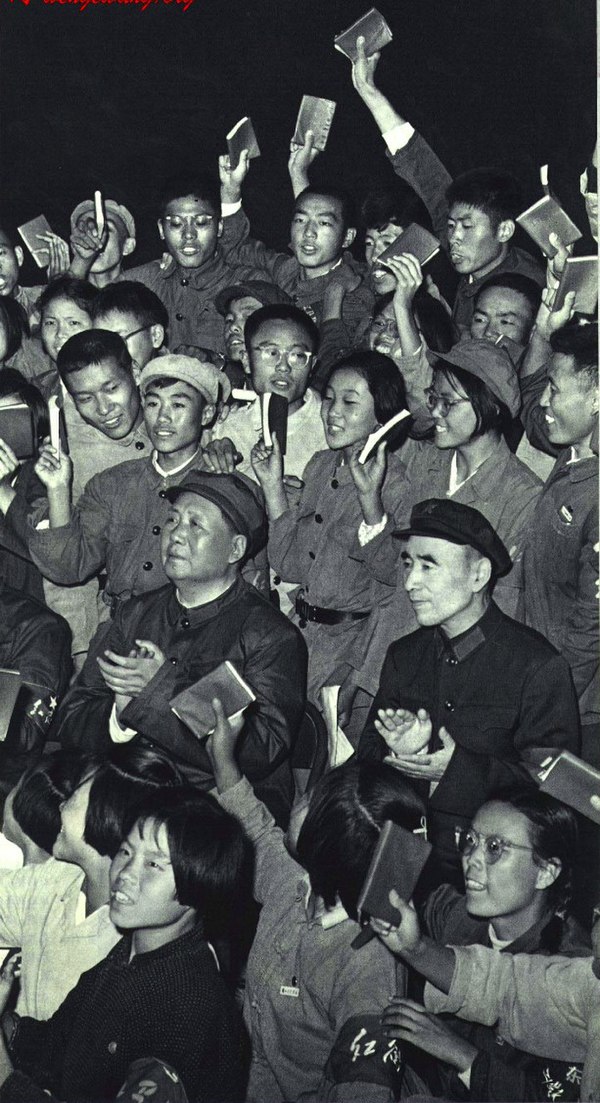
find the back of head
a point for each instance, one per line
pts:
(579, 340)
(128, 774)
(210, 854)
(89, 348)
(199, 185)
(131, 297)
(77, 291)
(382, 378)
(397, 204)
(492, 191)
(281, 312)
(347, 810)
(40, 793)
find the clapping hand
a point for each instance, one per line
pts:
(404, 732)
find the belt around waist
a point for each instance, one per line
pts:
(319, 615)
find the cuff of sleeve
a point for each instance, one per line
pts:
(398, 137)
(366, 532)
(117, 733)
(465, 1077)
(230, 208)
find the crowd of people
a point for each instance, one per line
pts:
(416, 633)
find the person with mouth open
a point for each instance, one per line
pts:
(517, 859)
(179, 875)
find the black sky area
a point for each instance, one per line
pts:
(116, 98)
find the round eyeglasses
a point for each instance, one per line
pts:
(494, 846)
(271, 355)
(435, 400)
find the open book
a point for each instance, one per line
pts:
(30, 232)
(547, 217)
(193, 705)
(317, 115)
(372, 27)
(414, 239)
(581, 276)
(240, 137)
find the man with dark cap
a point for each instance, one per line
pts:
(472, 698)
(163, 642)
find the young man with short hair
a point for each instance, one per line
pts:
(192, 270)
(474, 215)
(472, 699)
(117, 521)
(132, 310)
(161, 643)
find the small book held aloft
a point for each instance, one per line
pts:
(573, 781)
(193, 705)
(414, 239)
(372, 27)
(547, 217)
(315, 114)
(274, 416)
(397, 863)
(17, 429)
(240, 137)
(581, 276)
(38, 248)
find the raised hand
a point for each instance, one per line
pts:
(426, 767)
(9, 973)
(232, 179)
(8, 462)
(405, 732)
(267, 464)
(220, 747)
(128, 675)
(58, 251)
(368, 479)
(300, 159)
(52, 469)
(219, 457)
(406, 937)
(363, 70)
(409, 277)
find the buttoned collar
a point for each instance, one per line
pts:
(463, 645)
(193, 617)
(483, 483)
(575, 472)
(207, 276)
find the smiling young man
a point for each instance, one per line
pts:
(161, 643)
(192, 270)
(560, 560)
(116, 523)
(472, 698)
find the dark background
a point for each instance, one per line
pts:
(117, 98)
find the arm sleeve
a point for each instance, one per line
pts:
(420, 167)
(37, 1050)
(75, 552)
(239, 248)
(273, 864)
(580, 644)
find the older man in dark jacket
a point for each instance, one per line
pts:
(163, 642)
(472, 700)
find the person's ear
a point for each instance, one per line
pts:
(349, 237)
(239, 544)
(20, 255)
(128, 246)
(505, 230)
(157, 335)
(548, 872)
(161, 229)
(483, 574)
(220, 227)
(208, 413)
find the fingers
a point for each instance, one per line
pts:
(124, 661)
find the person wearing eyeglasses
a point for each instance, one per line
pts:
(517, 861)
(472, 699)
(136, 313)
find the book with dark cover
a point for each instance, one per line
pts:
(384, 430)
(372, 27)
(397, 863)
(414, 239)
(547, 217)
(17, 430)
(573, 781)
(581, 276)
(10, 684)
(317, 115)
(274, 414)
(30, 231)
(240, 137)
(193, 705)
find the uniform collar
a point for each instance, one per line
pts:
(463, 645)
(200, 614)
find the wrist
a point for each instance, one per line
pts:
(227, 774)
(372, 509)
(230, 195)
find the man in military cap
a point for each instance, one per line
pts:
(163, 642)
(472, 698)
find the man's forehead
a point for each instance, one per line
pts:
(106, 368)
(322, 205)
(188, 205)
(505, 299)
(465, 210)
(118, 321)
(279, 332)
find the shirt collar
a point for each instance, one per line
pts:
(198, 614)
(174, 470)
(463, 645)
